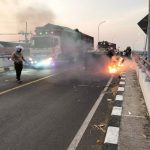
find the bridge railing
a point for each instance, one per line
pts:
(143, 76)
(143, 64)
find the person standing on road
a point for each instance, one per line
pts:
(18, 59)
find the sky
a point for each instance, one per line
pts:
(120, 16)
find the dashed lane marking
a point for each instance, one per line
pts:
(87, 120)
(123, 75)
(119, 98)
(112, 135)
(116, 111)
(122, 83)
(120, 89)
(123, 78)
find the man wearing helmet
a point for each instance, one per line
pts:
(18, 59)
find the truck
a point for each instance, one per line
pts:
(107, 48)
(52, 45)
(44, 50)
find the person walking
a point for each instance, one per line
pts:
(18, 59)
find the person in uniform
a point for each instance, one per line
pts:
(18, 59)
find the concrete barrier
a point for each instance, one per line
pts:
(145, 86)
(5, 64)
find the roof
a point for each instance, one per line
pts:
(54, 27)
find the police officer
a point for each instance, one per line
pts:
(18, 59)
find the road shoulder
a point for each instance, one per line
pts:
(135, 125)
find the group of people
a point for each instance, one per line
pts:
(18, 59)
(127, 52)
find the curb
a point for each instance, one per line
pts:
(112, 134)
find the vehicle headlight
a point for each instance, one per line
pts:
(50, 59)
(46, 62)
(30, 59)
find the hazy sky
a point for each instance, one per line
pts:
(121, 18)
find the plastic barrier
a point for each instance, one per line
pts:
(5, 62)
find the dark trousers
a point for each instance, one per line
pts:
(18, 68)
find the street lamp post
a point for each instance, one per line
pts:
(98, 29)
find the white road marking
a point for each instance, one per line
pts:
(123, 75)
(123, 78)
(112, 135)
(23, 85)
(121, 89)
(87, 120)
(122, 83)
(119, 98)
(134, 116)
(116, 111)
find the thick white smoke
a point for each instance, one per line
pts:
(36, 13)
(35, 16)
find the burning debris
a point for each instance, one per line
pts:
(114, 90)
(115, 65)
(100, 127)
(109, 100)
(99, 142)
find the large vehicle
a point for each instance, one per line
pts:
(54, 44)
(108, 48)
(44, 50)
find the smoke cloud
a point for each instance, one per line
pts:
(10, 1)
(35, 16)
(35, 12)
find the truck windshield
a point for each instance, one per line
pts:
(44, 42)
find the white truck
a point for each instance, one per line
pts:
(44, 50)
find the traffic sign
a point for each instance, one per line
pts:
(143, 24)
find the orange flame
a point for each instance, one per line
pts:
(112, 69)
(120, 63)
(115, 66)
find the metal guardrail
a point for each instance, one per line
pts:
(5, 56)
(143, 63)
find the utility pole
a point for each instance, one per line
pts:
(148, 55)
(145, 47)
(98, 31)
(26, 34)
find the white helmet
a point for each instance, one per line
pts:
(19, 47)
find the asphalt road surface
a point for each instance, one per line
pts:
(47, 109)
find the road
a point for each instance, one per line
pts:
(48, 108)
